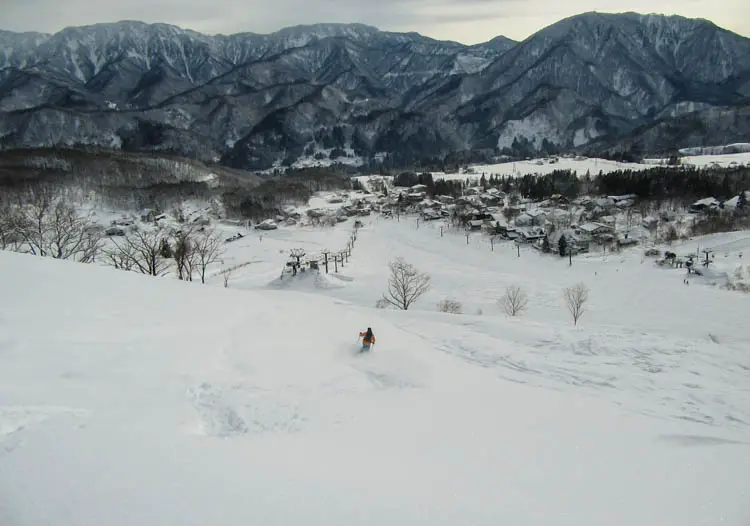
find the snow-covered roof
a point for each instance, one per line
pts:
(529, 232)
(524, 218)
(559, 212)
(535, 212)
(626, 197)
(732, 203)
(707, 201)
(592, 227)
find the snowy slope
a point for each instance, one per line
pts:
(152, 401)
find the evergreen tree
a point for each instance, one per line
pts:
(562, 246)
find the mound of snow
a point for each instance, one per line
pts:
(307, 280)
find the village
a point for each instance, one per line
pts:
(557, 225)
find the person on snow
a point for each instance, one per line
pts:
(368, 339)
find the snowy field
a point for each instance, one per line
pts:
(135, 401)
(581, 165)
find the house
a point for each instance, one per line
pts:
(122, 222)
(740, 200)
(524, 220)
(496, 192)
(619, 198)
(606, 203)
(531, 234)
(478, 220)
(491, 199)
(148, 215)
(431, 214)
(415, 197)
(268, 224)
(537, 216)
(428, 204)
(632, 236)
(471, 200)
(114, 231)
(511, 233)
(557, 215)
(704, 205)
(591, 230)
(577, 244)
(650, 222)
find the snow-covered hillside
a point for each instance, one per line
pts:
(129, 400)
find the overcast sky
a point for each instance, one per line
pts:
(467, 21)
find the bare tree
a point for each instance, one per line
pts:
(47, 226)
(143, 251)
(515, 301)
(576, 298)
(70, 235)
(33, 219)
(405, 285)
(208, 250)
(670, 236)
(184, 253)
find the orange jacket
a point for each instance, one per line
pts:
(364, 335)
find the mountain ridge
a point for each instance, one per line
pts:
(594, 83)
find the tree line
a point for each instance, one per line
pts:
(657, 183)
(40, 221)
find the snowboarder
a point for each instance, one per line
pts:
(368, 339)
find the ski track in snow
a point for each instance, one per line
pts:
(663, 373)
(225, 414)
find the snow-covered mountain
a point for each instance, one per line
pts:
(590, 82)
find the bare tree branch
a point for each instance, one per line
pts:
(405, 285)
